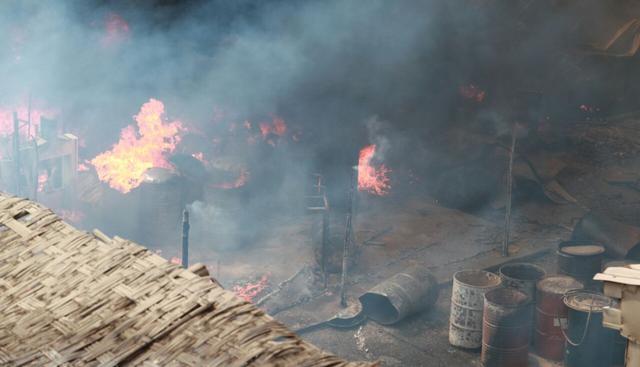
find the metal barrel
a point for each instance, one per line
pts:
(406, 293)
(522, 276)
(506, 328)
(581, 260)
(589, 343)
(551, 315)
(467, 303)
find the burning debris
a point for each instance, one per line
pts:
(372, 179)
(124, 165)
(252, 289)
(472, 92)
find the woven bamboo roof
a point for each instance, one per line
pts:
(72, 298)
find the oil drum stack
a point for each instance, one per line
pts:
(559, 314)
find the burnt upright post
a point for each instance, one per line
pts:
(185, 238)
(507, 215)
(348, 236)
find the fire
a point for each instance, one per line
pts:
(276, 127)
(43, 177)
(199, 156)
(116, 30)
(6, 119)
(472, 92)
(239, 182)
(123, 166)
(251, 289)
(73, 216)
(82, 167)
(374, 180)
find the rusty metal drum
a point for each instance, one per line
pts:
(412, 291)
(506, 328)
(467, 303)
(581, 260)
(522, 276)
(551, 315)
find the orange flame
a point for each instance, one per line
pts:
(43, 177)
(472, 92)
(374, 180)
(250, 290)
(239, 182)
(6, 119)
(277, 127)
(124, 165)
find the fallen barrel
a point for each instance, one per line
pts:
(581, 260)
(522, 276)
(467, 302)
(404, 294)
(589, 344)
(551, 315)
(506, 328)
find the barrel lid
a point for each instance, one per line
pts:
(558, 284)
(587, 301)
(477, 278)
(507, 298)
(582, 249)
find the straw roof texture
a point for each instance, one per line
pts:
(72, 298)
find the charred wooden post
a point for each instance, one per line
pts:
(325, 245)
(185, 238)
(507, 215)
(323, 206)
(348, 236)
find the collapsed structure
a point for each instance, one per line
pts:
(72, 298)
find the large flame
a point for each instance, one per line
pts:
(374, 180)
(123, 166)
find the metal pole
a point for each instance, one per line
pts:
(347, 237)
(16, 152)
(185, 238)
(507, 216)
(325, 244)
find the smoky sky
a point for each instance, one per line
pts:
(324, 64)
(328, 67)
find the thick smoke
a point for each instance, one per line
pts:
(326, 67)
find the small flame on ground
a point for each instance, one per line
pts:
(43, 177)
(199, 156)
(73, 216)
(251, 289)
(124, 165)
(82, 167)
(472, 92)
(371, 179)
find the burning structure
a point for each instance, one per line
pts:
(336, 163)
